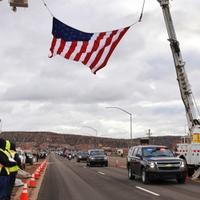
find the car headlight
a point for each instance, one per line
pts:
(152, 165)
(92, 158)
(106, 158)
(80, 156)
(182, 164)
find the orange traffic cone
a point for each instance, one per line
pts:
(24, 194)
(32, 182)
(37, 174)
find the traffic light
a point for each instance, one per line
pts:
(18, 3)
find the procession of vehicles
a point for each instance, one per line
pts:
(148, 162)
(92, 157)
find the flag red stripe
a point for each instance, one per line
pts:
(53, 44)
(94, 48)
(98, 57)
(71, 49)
(112, 49)
(83, 50)
(62, 45)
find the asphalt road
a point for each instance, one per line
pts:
(68, 180)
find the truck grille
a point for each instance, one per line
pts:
(162, 165)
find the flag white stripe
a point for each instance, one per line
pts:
(76, 50)
(57, 45)
(101, 45)
(66, 48)
(89, 47)
(106, 51)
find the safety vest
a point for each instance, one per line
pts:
(8, 145)
(14, 168)
(1, 166)
(12, 155)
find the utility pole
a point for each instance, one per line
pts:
(149, 134)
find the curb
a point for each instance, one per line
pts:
(35, 191)
(32, 192)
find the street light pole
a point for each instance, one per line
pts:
(96, 132)
(131, 119)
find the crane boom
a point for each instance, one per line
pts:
(184, 86)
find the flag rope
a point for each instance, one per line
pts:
(142, 12)
(47, 8)
(139, 20)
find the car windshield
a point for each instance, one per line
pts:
(83, 153)
(157, 152)
(94, 153)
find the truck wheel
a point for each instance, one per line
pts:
(181, 180)
(130, 174)
(145, 178)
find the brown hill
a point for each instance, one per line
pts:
(50, 139)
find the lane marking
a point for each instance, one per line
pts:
(101, 173)
(148, 191)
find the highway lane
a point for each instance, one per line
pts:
(70, 180)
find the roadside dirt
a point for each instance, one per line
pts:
(17, 190)
(117, 162)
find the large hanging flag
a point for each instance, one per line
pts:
(92, 49)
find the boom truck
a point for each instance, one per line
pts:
(187, 150)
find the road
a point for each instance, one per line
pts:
(68, 180)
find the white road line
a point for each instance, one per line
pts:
(143, 189)
(101, 173)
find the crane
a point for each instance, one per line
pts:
(189, 152)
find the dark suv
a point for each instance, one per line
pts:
(97, 157)
(81, 156)
(155, 162)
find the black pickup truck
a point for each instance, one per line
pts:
(155, 162)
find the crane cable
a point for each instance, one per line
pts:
(139, 20)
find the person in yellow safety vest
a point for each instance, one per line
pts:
(10, 147)
(5, 163)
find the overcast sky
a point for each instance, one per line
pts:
(42, 94)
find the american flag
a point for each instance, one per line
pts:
(92, 49)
